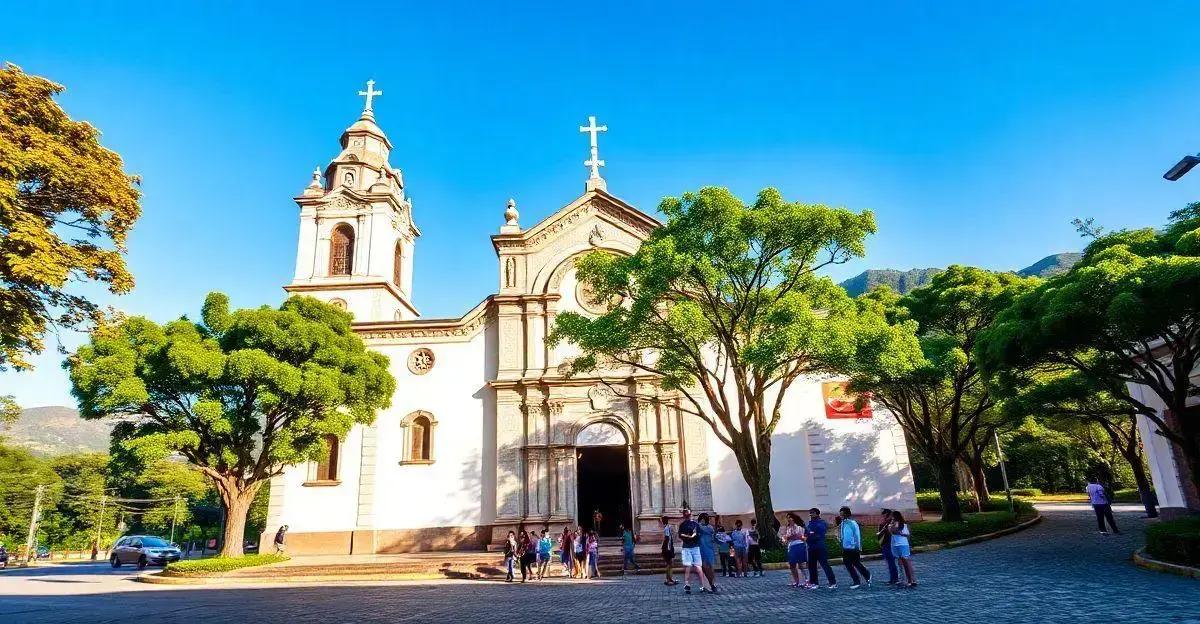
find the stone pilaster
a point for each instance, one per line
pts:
(509, 465)
(535, 337)
(365, 517)
(511, 338)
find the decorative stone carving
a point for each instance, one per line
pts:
(338, 303)
(465, 328)
(420, 361)
(601, 396)
(510, 272)
(596, 235)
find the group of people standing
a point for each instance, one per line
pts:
(807, 550)
(578, 554)
(739, 550)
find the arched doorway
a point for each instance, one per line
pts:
(602, 476)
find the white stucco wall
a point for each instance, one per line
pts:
(321, 508)
(451, 490)
(816, 461)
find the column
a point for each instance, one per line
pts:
(511, 338)
(535, 343)
(509, 457)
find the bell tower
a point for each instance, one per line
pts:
(357, 234)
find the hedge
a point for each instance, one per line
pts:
(1027, 492)
(923, 533)
(216, 565)
(1176, 541)
(931, 501)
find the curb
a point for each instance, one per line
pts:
(159, 578)
(1141, 560)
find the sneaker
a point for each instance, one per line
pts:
(704, 590)
(810, 586)
(1103, 532)
(855, 586)
(831, 586)
(868, 583)
(714, 589)
(687, 589)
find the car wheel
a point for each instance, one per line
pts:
(116, 563)
(142, 562)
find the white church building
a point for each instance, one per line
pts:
(485, 433)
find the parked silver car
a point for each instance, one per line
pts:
(143, 550)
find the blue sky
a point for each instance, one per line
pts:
(974, 131)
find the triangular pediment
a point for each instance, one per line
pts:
(594, 205)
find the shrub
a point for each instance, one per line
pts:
(931, 502)
(1027, 492)
(1177, 541)
(217, 565)
(1127, 496)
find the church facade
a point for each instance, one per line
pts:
(485, 432)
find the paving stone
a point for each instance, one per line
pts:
(1058, 571)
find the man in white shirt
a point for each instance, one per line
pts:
(1098, 497)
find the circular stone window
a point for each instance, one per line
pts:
(420, 361)
(586, 296)
(338, 303)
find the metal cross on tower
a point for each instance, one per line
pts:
(370, 93)
(594, 162)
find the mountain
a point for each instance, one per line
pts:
(1051, 265)
(899, 281)
(57, 430)
(905, 281)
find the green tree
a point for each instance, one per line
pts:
(1133, 299)
(9, 411)
(943, 402)
(66, 208)
(20, 475)
(1068, 401)
(241, 395)
(723, 303)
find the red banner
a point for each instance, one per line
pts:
(840, 403)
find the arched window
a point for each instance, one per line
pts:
(327, 468)
(341, 250)
(398, 268)
(418, 437)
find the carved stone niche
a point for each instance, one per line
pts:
(420, 361)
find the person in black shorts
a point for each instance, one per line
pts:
(668, 549)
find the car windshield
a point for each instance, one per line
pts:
(154, 542)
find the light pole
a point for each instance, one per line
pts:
(1181, 168)
(1004, 473)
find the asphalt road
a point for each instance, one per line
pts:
(1057, 571)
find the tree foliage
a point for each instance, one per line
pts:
(939, 396)
(725, 305)
(1128, 313)
(66, 208)
(240, 395)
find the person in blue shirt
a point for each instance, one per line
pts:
(818, 553)
(851, 537)
(627, 545)
(739, 541)
(544, 546)
(708, 550)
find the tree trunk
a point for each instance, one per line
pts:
(979, 480)
(764, 509)
(948, 490)
(235, 502)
